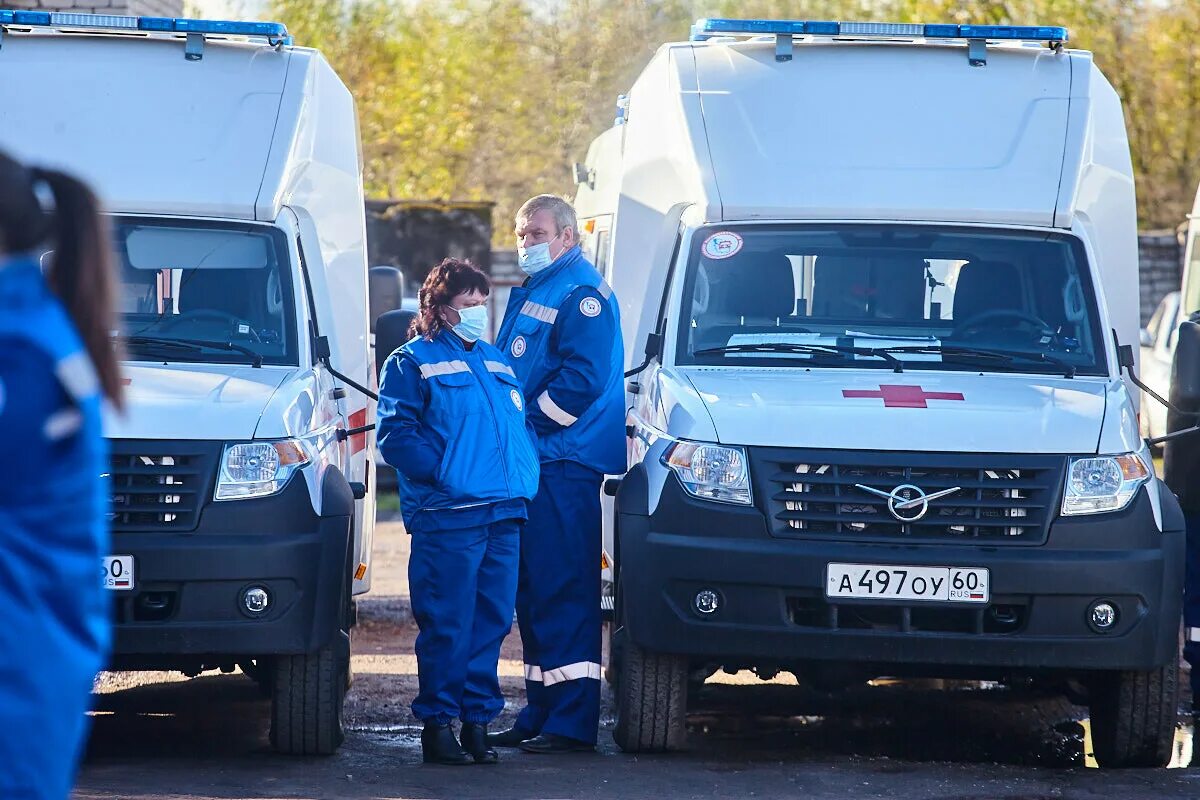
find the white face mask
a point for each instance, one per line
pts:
(472, 322)
(536, 258)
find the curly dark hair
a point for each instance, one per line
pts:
(445, 282)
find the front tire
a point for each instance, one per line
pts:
(309, 692)
(1134, 716)
(651, 701)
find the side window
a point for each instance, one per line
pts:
(1156, 318)
(1171, 317)
(601, 262)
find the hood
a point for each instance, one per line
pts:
(879, 410)
(194, 401)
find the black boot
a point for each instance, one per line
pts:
(551, 744)
(439, 746)
(509, 738)
(475, 741)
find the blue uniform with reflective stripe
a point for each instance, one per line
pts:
(53, 536)
(563, 333)
(452, 423)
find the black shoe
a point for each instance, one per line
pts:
(438, 746)
(550, 744)
(474, 740)
(509, 738)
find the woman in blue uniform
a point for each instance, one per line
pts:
(56, 363)
(452, 423)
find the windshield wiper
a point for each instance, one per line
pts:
(809, 349)
(194, 346)
(1002, 356)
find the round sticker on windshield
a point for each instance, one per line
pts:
(722, 245)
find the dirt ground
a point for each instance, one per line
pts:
(159, 736)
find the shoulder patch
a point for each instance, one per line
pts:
(590, 307)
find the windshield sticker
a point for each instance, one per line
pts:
(725, 244)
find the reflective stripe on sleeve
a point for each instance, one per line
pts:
(62, 424)
(443, 368)
(572, 672)
(78, 376)
(604, 289)
(1193, 634)
(496, 366)
(539, 312)
(551, 410)
(533, 674)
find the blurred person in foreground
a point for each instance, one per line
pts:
(57, 365)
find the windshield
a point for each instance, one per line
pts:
(200, 291)
(926, 297)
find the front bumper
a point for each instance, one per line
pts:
(773, 609)
(188, 586)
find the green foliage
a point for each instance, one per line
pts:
(493, 99)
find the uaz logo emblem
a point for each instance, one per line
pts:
(908, 503)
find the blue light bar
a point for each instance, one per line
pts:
(276, 32)
(707, 28)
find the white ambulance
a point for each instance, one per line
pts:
(885, 280)
(242, 507)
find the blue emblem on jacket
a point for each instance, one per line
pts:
(562, 330)
(452, 423)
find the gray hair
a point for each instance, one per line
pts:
(562, 211)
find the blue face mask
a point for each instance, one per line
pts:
(472, 322)
(536, 258)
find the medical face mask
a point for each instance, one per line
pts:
(536, 258)
(472, 322)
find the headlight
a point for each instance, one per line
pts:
(1104, 483)
(258, 469)
(710, 471)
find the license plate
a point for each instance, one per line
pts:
(889, 582)
(118, 573)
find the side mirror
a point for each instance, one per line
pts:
(385, 289)
(1182, 455)
(391, 332)
(1146, 337)
(1185, 368)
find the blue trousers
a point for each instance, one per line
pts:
(463, 585)
(558, 604)
(1191, 605)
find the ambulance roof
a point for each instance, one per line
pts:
(878, 130)
(153, 131)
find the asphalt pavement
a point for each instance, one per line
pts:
(159, 736)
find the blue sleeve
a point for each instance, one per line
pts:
(582, 344)
(404, 441)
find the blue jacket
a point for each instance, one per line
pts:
(452, 423)
(563, 332)
(53, 537)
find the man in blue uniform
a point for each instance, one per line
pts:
(562, 333)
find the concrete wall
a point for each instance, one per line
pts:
(138, 8)
(1160, 261)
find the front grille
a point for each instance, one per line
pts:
(996, 499)
(159, 486)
